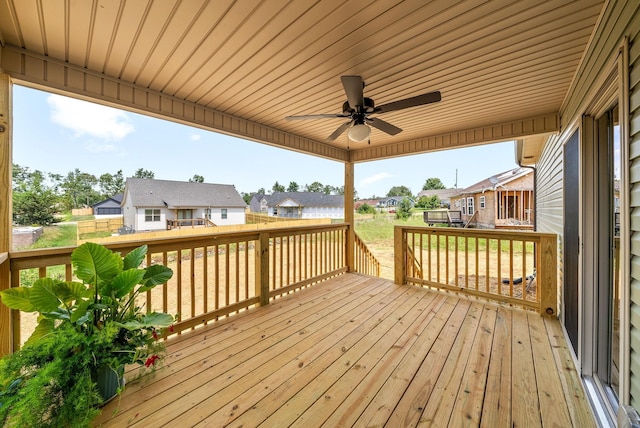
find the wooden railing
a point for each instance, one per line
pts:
(364, 260)
(215, 275)
(186, 222)
(517, 268)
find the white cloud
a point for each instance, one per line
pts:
(195, 137)
(96, 147)
(375, 178)
(88, 119)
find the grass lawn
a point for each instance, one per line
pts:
(377, 232)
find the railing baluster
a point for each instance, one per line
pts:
(506, 254)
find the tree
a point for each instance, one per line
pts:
(261, 191)
(78, 188)
(403, 211)
(316, 186)
(277, 187)
(293, 187)
(328, 189)
(143, 173)
(428, 202)
(247, 197)
(33, 201)
(433, 183)
(111, 184)
(399, 191)
(196, 179)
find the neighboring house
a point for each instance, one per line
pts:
(110, 207)
(505, 201)
(150, 204)
(299, 205)
(361, 202)
(443, 194)
(392, 201)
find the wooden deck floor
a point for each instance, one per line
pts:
(361, 351)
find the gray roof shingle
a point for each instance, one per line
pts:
(304, 199)
(181, 194)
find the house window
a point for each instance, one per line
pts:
(470, 206)
(223, 213)
(464, 206)
(482, 202)
(207, 213)
(152, 215)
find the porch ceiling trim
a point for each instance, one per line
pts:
(507, 131)
(52, 75)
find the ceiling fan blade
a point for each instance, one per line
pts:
(428, 98)
(384, 126)
(353, 87)
(315, 116)
(338, 131)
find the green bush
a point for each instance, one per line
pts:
(366, 209)
(403, 211)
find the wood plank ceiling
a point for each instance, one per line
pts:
(495, 62)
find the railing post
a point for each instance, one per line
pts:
(547, 275)
(6, 330)
(349, 217)
(399, 256)
(262, 268)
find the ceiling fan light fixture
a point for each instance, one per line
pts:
(359, 132)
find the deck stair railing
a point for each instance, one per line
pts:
(364, 260)
(215, 275)
(512, 267)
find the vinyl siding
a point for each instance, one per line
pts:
(634, 178)
(549, 199)
(621, 18)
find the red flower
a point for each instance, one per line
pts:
(151, 361)
(171, 328)
(154, 334)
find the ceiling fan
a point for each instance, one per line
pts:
(359, 108)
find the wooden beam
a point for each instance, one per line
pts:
(547, 275)
(492, 133)
(6, 342)
(262, 269)
(400, 273)
(348, 215)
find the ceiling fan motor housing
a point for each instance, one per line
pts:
(369, 107)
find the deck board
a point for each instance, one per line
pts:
(361, 351)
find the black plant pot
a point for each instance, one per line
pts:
(108, 381)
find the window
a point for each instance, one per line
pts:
(207, 213)
(152, 215)
(482, 202)
(470, 206)
(464, 206)
(223, 213)
(108, 210)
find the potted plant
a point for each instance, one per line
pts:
(87, 331)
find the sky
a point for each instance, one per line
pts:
(56, 134)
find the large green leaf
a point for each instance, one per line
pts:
(94, 262)
(18, 298)
(124, 283)
(81, 311)
(155, 275)
(154, 319)
(45, 294)
(45, 326)
(79, 291)
(135, 257)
